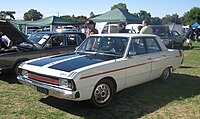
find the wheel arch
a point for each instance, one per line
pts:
(19, 60)
(111, 79)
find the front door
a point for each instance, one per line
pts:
(138, 63)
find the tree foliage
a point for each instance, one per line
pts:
(79, 19)
(120, 5)
(155, 21)
(192, 16)
(189, 17)
(144, 15)
(174, 18)
(32, 15)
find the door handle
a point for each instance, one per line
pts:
(148, 58)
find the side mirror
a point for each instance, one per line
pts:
(131, 53)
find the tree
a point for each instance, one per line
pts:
(144, 15)
(79, 19)
(32, 15)
(192, 16)
(174, 18)
(155, 21)
(92, 15)
(120, 5)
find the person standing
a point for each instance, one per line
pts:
(146, 29)
(122, 28)
(91, 28)
(189, 37)
(5, 42)
(139, 29)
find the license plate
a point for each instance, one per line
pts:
(42, 90)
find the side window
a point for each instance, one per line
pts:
(152, 45)
(72, 40)
(79, 39)
(137, 46)
(57, 41)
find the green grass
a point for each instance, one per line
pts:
(177, 98)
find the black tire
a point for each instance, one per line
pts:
(15, 70)
(165, 74)
(103, 93)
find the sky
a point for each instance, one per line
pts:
(157, 8)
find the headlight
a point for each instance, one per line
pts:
(64, 82)
(24, 73)
(68, 83)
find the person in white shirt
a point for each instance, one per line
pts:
(146, 29)
(5, 42)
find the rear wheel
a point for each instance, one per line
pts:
(102, 93)
(166, 74)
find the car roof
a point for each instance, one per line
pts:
(55, 32)
(125, 35)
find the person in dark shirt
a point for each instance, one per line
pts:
(189, 37)
(122, 29)
(91, 28)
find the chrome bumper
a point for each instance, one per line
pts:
(52, 91)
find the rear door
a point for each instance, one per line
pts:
(156, 56)
(72, 41)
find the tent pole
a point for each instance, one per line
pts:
(109, 28)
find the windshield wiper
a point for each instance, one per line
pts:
(89, 50)
(111, 53)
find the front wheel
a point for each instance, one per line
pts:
(15, 69)
(102, 93)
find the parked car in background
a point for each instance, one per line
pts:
(176, 40)
(39, 44)
(171, 39)
(103, 65)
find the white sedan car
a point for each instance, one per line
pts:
(103, 65)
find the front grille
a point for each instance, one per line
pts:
(43, 78)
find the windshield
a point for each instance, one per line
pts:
(162, 31)
(105, 45)
(38, 39)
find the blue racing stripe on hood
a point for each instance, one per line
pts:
(80, 62)
(45, 61)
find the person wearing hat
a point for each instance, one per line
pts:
(91, 28)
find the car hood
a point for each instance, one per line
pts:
(12, 33)
(70, 62)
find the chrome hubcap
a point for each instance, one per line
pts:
(166, 73)
(102, 93)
